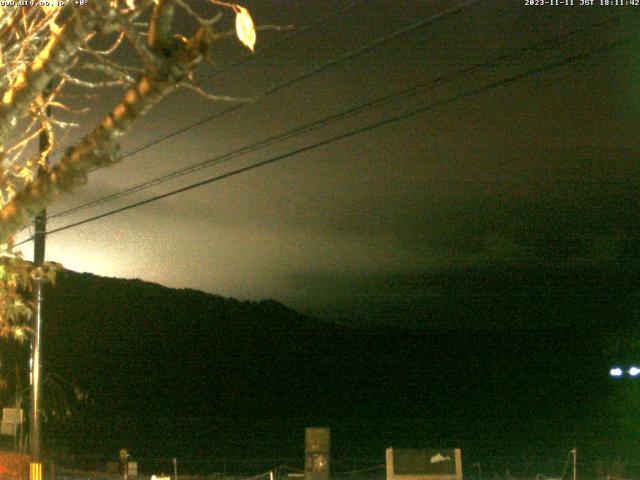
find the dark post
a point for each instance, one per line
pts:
(36, 365)
(124, 464)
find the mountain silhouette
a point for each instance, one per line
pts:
(179, 370)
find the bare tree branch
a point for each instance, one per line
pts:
(119, 72)
(108, 51)
(100, 147)
(211, 96)
(47, 54)
(52, 60)
(160, 34)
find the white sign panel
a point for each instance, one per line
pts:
(424, 464)
(12, 416)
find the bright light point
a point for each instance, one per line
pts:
(615, 372)
(634, 371)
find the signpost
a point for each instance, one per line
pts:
(425, 464)
(317, 453)
(12, 419)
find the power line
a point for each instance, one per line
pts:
(297, 131)
(311, 72)
(260, 51)
(286, 83)
(472, 92)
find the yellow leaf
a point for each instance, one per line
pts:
(244, 27)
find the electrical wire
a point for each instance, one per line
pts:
(311, 72)
(260, 51)
(314, 71)
(297, 131)
(389, 120)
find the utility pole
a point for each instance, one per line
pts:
(38, 259)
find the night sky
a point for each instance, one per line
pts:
(537, 175)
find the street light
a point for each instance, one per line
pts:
(618, 372)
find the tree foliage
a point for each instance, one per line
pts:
(48, 55)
